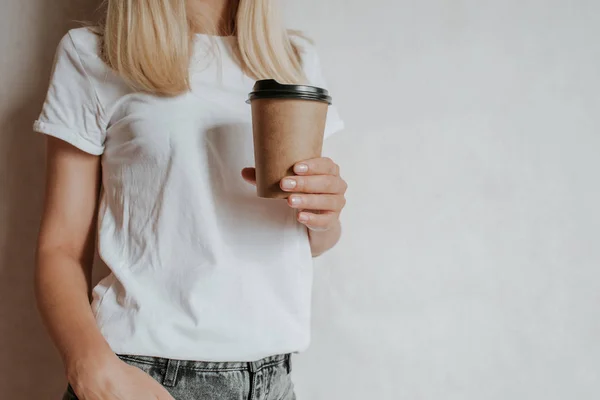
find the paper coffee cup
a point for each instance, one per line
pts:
(288, 123)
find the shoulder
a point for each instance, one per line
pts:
(82, 41)
(82, 47)
(80, 53)
(79, 66)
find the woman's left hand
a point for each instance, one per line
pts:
(317, 191)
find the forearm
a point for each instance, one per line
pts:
(62, 287)
(322, 241)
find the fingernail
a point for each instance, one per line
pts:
(288, 184)
(303, 217)
(301, 168)
(295, 200)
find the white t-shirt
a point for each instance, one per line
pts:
(201, 268)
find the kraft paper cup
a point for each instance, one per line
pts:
(288, 123)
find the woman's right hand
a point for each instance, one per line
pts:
(108, 378)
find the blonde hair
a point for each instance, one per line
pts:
(149, 42)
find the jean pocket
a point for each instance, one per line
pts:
(282, 387)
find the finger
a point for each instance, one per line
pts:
(317, 202)
(325, 184)
(249, 175)
(317, 166)
(317, 222)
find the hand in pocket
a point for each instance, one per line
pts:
(113, 379)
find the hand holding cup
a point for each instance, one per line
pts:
(317, 191)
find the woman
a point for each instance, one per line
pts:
(209, 290)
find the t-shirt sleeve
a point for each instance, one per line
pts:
(314, 73)
(72, 111)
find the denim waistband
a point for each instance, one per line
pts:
(253, 366)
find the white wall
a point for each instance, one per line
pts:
(469, 269)
(470, 266)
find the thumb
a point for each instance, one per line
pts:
(249, 175)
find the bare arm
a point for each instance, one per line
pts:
(63, 276)
(66, 250)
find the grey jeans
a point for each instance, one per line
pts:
(266, 379)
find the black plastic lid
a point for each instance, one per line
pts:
(271, 89)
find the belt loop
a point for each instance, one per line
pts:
(252, 367)
(288, 363)
(171, 373)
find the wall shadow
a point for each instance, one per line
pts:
(31, 368)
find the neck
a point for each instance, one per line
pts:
(213, 17)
